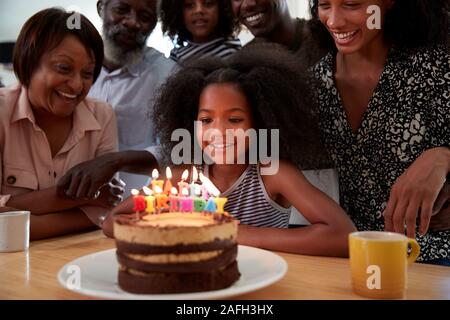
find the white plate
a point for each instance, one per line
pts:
(96, 275)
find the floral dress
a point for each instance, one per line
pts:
(408, 113)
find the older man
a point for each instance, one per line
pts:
(129, 79)
(270, 20)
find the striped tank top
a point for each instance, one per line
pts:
(220, 48)
(249, 202)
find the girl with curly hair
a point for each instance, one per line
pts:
(199, 28)
(254, 89)
(384, 106)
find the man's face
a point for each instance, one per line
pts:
(260, 16)
(128, 23)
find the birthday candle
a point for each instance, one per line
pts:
(155, 181)
(211, 205)
(194, 180)
(139, 202)
(220, 203)
(161, 199)
(174, 200)
(150, 199)
(187, 202)
(199, 203)
(168, 184)
(183, 184)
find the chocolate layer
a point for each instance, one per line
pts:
(219, 262)
(153, 283)
(137, 248)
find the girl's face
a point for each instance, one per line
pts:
(347, 22)
(63, 78)
(223, 110)
(201, 18)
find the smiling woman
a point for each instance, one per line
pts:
(48, 126)
(384, 105)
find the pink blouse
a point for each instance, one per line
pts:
(26, 162)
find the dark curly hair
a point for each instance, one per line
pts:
(275, 85)
(171, 15)
(409, 23)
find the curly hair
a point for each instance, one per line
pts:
(171, 15)
(409, 23)
(278, 91)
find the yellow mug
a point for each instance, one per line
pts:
(379, 262)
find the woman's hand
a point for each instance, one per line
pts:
(83, 180)
(416, 191)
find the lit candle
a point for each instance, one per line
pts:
(161, 199)
(211, 205)
(194, 180)
(183, 184)
(187, 203)
(155, 181)
(139, 202)
(168, 184)
(199, 203)
(219, 203)
(150, 199)
(174, 200)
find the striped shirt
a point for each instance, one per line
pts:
(219, 47)
(249, 202)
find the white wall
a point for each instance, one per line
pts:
(13, 14)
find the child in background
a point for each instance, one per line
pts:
(255, 89)
(199, 28)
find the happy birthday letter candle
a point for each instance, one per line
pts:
(199, 202)
(174, 200)
(168, 184)
(139, 202)
(150, 199)
(161, 199)
(187, 203)
(183, 184)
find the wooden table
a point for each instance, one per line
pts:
(32, 275)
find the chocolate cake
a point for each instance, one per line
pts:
(176, 252)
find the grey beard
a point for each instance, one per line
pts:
(119, 56)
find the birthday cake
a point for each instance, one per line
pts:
(176, 245)
(176, 252)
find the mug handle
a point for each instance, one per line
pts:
(415, 251)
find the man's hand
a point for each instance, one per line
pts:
(85, 179)
(417, 190)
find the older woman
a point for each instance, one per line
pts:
(47, 125)
(385, 112)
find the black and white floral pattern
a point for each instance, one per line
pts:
(408, 113)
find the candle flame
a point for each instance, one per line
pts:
(185, 175)
(158, 189)
(194, 174)
(147, 191)
(212, 189)
(135, 192)
(174, 191)
(155, 174)
(168, 173)
(185, 192)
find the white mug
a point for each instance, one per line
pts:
(14, 231)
